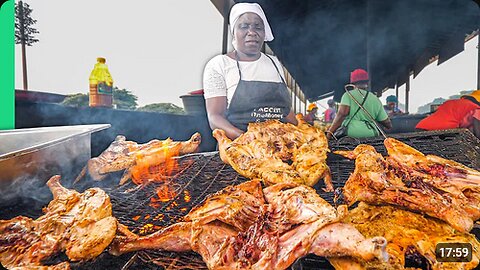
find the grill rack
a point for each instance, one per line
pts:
(204, 173)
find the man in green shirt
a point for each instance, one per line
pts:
(351, 115)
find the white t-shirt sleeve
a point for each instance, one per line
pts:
(214, 84)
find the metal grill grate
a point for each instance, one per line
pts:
(199, 175)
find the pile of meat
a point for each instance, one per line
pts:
(245, 227)
(407, 178)
(81, 224)
(138, 159)
(276, 152)
(411, 237)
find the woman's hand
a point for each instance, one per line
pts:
(216, 111)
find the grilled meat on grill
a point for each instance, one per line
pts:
(277, 152)
(133, 157)
(60, 266)
(81, 224)
(293, 222)
(238, 206)
(406, 232)
(414, 181)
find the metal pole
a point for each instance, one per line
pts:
(478, 60)
(295, 96)
(225, 27)
(396, 90)
(407, 93)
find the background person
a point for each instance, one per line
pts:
(246, 85)
(457, 113)
(312, 113)
(331, 112)
(351, 115)
(392, 106)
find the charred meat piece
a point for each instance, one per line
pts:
(274, 239)
(413, 181)
(276, 152)
(135, 158)
(407, 234)
(81, 224)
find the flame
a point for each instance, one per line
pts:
(156, 163)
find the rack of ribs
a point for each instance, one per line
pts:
(407, 178)
(292, 221)
(81, 224)
(276, 152)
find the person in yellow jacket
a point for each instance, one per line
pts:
(312, 113)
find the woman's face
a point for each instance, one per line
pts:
(249, 34)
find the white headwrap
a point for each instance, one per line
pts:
(241, 8)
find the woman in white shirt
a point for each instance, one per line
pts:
(246, 85)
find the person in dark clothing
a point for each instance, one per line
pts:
(392, 106)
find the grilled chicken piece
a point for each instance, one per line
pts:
(277, 153)
(406, 232)
(60, 266)
(81, 224)
(443, 169)
(400, 180)
(291, 204)
(238, 206)
(294, 223)
(135, 158)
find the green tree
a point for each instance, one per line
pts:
(77, 100)
(162, 108)
(24, 33)
(124, 99)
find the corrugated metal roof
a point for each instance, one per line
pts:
(321, 41)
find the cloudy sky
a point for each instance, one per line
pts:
(157, 50)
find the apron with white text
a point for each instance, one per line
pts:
(256, 101)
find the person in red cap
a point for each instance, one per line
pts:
(456, 113)
(352, 117)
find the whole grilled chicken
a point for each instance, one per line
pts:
(428, 184)
(276, 152)
(135, 158)
(293, 222)
(409, 235)
(81, 224)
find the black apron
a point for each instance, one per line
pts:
(256, 101)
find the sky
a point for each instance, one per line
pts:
(158, 49)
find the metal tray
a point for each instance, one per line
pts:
(29, 157)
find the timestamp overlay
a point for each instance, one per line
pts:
(453, 252)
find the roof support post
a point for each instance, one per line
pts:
(478, 60)
(407, 93)
(225, 26)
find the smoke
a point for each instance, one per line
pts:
(321, 42)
